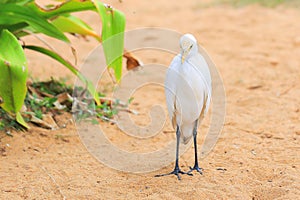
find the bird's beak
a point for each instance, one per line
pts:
(183, 56)
(182, 59)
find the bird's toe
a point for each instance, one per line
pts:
(175, 172)
(195, 168)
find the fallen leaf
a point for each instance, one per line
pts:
(64, 97)
(132, 62)
(58, 105)
(47, 122)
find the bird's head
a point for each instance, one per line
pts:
(188, 46)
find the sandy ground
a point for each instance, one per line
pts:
(256, 51)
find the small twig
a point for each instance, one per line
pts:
(129, 111)
(35, 99)
(221, 169)
(254, 87)
(108, 119)
(74, 54)
(55, 183)
(168, 131)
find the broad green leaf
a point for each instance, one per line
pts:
(21, 121)
(19, 2)
(64, 8)
(72, 24)
(14, 27)
(73, 69)
(13, 67)
(12, 14)
(113, 26)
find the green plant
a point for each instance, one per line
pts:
(106, 111)
(52, 87)
(19, 18)
(13, 67)
(7, 122)
(43, 95)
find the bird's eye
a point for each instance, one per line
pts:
(190, 47)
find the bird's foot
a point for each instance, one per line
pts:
(176, 172)
(195, 168)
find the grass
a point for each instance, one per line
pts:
(7, 122)
(38, 103)
(52, 87)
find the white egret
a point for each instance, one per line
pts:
(188, 95)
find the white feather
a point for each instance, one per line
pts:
(188, 89)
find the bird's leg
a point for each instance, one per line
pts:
(176, 170)
(196, 166)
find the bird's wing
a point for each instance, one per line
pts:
(201, 66)
(170, 88)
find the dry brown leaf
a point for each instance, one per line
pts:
(47, 122)
(132, 62)
(64, 97)
(37, 92)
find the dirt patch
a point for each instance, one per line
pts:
(257, 53)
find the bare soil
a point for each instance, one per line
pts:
(256, 51)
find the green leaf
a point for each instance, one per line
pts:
(13, 67)
(12, 14)
(113, 26)
(64, 8)
(19, 2)
(72, 24)
(21, 121)
(73, 69)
